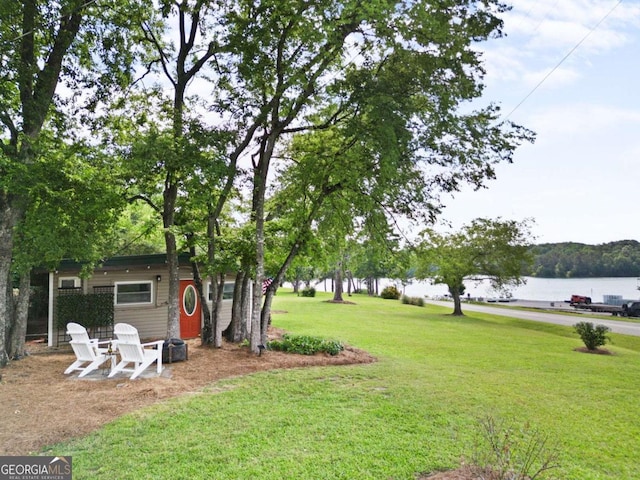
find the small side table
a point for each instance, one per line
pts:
(111, 354)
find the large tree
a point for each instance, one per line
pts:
(181, 67)
(497, 250)
(410, 66)
(74, 195)
(83, 44)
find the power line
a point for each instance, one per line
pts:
(588, 34)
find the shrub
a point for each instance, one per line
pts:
(390, 292)
(593, 337)
(308, 292)
(305, 345)
(503, 451)
(417, 301)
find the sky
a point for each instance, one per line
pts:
(570, 71)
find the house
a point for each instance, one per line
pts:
(136, 290)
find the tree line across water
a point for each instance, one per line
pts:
(579, 260)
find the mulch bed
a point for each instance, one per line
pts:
(40, 405)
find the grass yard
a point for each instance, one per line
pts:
(416, 410)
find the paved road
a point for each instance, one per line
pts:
(627, 328)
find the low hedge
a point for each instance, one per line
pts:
(305, 345)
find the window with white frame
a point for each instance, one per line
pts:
(227, 291)
(69, 282)
(133, 293)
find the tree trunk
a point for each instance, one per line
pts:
(261, 171)
(173, 305)
(206, 312)
(234, 332)
(256, 311)
(265, 318)
(337, 294)
(350, 282)
(245, 305)
(256, 308)
(457, 306)
(217, 307)
(6, 317)
(20, 316)
(8, 218)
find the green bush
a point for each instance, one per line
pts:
(390, 293)
(305, 345)
(308, 292)
(417, 301)
(593, 337)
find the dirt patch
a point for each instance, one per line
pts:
(466, 472)
(41, 406)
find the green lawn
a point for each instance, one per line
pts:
(415, 410)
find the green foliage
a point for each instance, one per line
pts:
(578, 260)
(593, 337)
(497, 250)
(139, 231)
(305, 345)
(390, 292)
(417, 301)
(76, 198)
(308, 292)
(91, 310)
(509, 452)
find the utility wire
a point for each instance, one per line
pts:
(588, 34)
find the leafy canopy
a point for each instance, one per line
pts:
(497, 250)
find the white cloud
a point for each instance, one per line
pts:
(582, 120)
(541, 33)
(583, 168)
(560, 77)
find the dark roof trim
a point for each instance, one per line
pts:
(129, 261)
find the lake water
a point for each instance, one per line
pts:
(551, 289)
(544, 289)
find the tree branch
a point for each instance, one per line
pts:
(146, 200)
(332, 120)
(164, 60)
(7, 121)
(48, 77)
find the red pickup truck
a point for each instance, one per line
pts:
(580, 300)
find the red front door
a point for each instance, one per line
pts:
(190, 310)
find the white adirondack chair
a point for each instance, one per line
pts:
(86, 350)
(133, 352)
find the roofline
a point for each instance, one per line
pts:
(126, 261)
